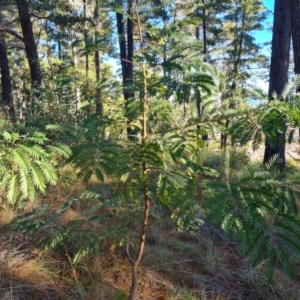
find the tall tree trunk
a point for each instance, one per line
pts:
(280, 59)
(77, 88)
(86, 52)
(99, 104)
(7, 96)
(60, 57)
(86, 43)
(238, 51)
(238, 46)
(295, 17)
(295, 24)
(204, 40)
(126, 56)
(129, 76)
(30, 46)
(204, 31)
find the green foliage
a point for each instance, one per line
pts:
(259, 210)
(256, 207)
(171, 177)
(27, 162)
(261, 122)
(92, 153)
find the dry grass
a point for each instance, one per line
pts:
(24, 275)
(175, 266)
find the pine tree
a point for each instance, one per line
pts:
(30, 45)
(280, 57)
(6, 85)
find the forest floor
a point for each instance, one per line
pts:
(175, 265)
(292, 152)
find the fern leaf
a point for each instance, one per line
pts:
(270, 262)
(7, 136)
(37, 137)
(61, 149)
(38, 178)
(13, 189)
(48, 171)
(31, 190)
(24, 185)
(284, 261)
(35, 152)
(21, 159)
(258, 249)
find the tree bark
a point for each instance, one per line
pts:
(204, 32)
(129, 76)
(86, 43)
(7, 96)
(295, 24)
(126, 56)
(77, 87)
(204, 40)
(30, 46)
(99, 104)
(280, 59)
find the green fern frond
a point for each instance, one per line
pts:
(61, 149)
(13, 189)
(270, 262)
(285, 261)
(21, 159)
(48, 171)
(36, 137)
(24, 183)
(38, 178)
(258, 249)
(291, 87)
(35, 151)
(259, 211)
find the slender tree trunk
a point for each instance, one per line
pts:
(7, 95)
(134, 262)
(238, 52)
(295, 24)
(204, 40)
(204, 31)
(295, 17)
(99, 104)
(30, 46)
(280, 59)
(86, 52)
(60, 57)
(129, 75)
(122, 44)
(86, 43)
(236, 64)
(77, 88)
(126, 56)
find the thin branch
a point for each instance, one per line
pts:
(268, 10)
(14, 33)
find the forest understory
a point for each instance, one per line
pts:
(137, 158)
(194, 263)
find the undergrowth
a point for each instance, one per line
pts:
(175, 265)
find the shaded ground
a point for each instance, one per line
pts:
(292, 152)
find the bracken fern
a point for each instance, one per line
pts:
(259, 210)
(27, 162)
